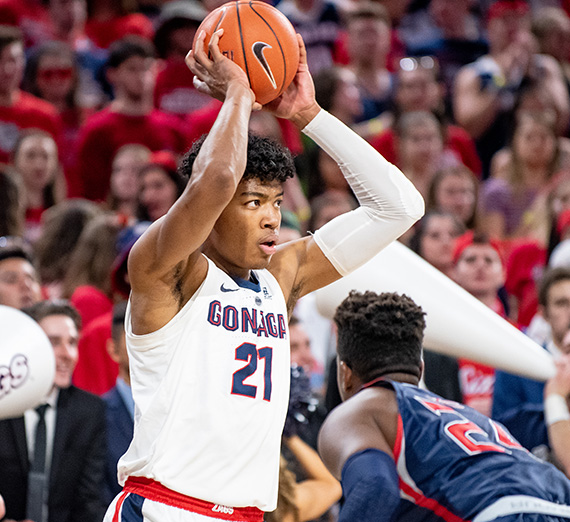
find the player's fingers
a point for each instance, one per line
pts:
(302, 50)
(213, 46)
(199, 53)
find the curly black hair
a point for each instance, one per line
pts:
(267, 160)
(380, 334)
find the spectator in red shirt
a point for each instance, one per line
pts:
(418, 87)
(52, 74)
(174, 91)
(111, 20)
(130, 118)
(19, 110)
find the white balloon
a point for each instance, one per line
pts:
(27, 363)
(457, 323)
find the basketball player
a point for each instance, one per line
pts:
(407, 454)
(206, 325)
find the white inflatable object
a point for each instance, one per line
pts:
(27, 364)
(457, 323)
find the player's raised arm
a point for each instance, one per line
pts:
(390, 204)
(216, 172)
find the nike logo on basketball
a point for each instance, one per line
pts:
(258, 48)
(224, 289)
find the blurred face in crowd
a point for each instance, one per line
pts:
(447, 13)
(19, 285)
(134, 78)
(301, 348)
(331, 175)
(157, 192)
(557, 309)
(37, 162)
(437, 241)
(417, 89)
(479, 270)
(125, 174)
(337, 203)
(368, 40)
(55, 77)
(68, 16)
(347, 103)
(421, 146)
(12, 62)
(456, 193)
(510, 28)
(534, 142)
(63, 335)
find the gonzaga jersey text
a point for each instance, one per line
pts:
(211, 390)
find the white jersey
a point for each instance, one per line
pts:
(211, 390)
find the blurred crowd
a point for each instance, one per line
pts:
(469, 98)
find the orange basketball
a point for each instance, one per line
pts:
(261, 40)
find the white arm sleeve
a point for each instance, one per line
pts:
(390, 204)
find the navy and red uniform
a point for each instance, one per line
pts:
(455, 464)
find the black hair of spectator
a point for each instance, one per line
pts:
(49, 48)
(11, 247)
(125, 48)
(549, 279)
(267, 160)
(162, 35)
(9, 35)
(11, 203)
(45, 309)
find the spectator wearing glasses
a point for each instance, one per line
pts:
(52, 74)
(418, 87)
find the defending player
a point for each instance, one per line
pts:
(207, 320)
(407, 454)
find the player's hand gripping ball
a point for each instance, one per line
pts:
(261, 40)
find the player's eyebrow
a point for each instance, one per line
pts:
(259, 195)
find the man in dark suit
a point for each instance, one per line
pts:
(119, 404)
(70, 486)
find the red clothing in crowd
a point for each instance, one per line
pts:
(477, 381)
(27, 112)
(174, 91)
(525, 266)
(90, 303)
(201, 121)
(104, 32)
(96, 372)
(106, 132)
(457, 139)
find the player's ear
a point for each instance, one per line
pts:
(346, 384)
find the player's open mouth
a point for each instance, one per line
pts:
(269, 247)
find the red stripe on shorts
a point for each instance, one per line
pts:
(119, 505)
(153, 490)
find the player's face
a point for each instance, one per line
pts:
(557, 309)
(19, 286)
(63, 335)
(479, 270)
(246, 233)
